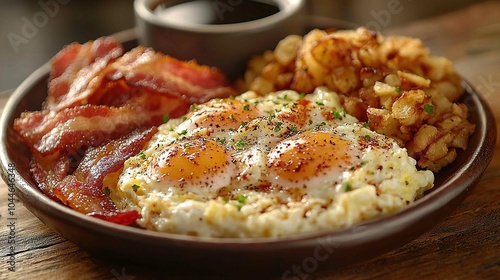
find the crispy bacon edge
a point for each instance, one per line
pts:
(83, 190)
(49, 132)
(77, 72)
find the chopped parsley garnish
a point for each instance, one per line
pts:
(135, 187)
(184, 118)
(246, 107)
(242, 199)
(187, 146)
(363, 162)
(106, 190)
(319, 103)
(286, 97)
(302, 95)
(221, 140)
(183, 132)
(142, 155)
(232, 117)
(294, 128)
(367, 136)
(310, 121)
(240, 144)
(366, 125)
(318, 126)
(225, 199)
(429, 108)
(338, 114)
(347, 186)
(244, 123)
(398, 89)
(278, 126)
(166, 118)
(192, 107)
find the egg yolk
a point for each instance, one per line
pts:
(221, 115)
(311, 158)
(195, 164)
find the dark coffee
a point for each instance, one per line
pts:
(215, 11)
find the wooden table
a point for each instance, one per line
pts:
(466, 245)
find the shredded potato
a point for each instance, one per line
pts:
(392, 83)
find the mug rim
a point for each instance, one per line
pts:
(288, 8)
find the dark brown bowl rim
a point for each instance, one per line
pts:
(418, 218)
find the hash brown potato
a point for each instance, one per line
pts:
(393, 83)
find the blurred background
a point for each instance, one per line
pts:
(32, 31)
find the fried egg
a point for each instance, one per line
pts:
(312, 158)
(271, 166)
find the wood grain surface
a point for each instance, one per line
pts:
(466, 245)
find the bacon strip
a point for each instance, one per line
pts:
(100, 161)
(48, 132)
(87, 74)
(49, 171)
(77, 72)
(145, 68)
(83, 192)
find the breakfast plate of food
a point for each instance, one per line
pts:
(336, 146)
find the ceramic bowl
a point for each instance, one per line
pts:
(276, 255)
